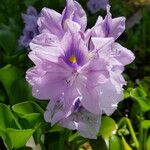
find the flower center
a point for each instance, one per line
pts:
(73, 59)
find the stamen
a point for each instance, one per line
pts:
(73, 59)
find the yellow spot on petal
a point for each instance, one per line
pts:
(73, 59)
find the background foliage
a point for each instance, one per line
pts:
(21, 116)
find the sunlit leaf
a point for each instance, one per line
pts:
(148, 143)
(138, 93)
(27, 108)
(127, 93)
(10, 130)
(115, 143)
(144, 104)
(56, 128)
(108, 127)
(7, 118)
(18, 138)
(146, 124)
(31, 120)
(30, 113)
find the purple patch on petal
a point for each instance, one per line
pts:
(77, 105)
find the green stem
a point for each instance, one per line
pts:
(145, 138)
(141, 137)
(121, 123)
(128, 122)
(132, 133)
(63, 139)
(141, 132)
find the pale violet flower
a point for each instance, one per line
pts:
(72, 18)
(77, 119)
(111, 27)
(78, 70)
(71, 68)
(108, 27)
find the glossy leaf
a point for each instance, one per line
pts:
(7, 118)
(28, 107)
(30, 113)
(31, 120)
(108, 127)
(115, 143)
(18, 138)
(10, 131)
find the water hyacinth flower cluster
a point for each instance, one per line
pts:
(78, 70)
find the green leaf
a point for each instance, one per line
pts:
(77, 139)
(146, 124)
(30, 113)
(6, 141)
(7, 41)
(31, 120)
(144, 84)
(56, 128)
(2, 95)
(28, 107)
(8, 75)
(7, 121)
(138, 93)
(115, 143)
(144, 104)
(127, 93)
(2, 134)
(18, 138)
(20, 91)
(15, 85)
(7, 118)
(148, 143)
(108, 126)
(98, 144)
